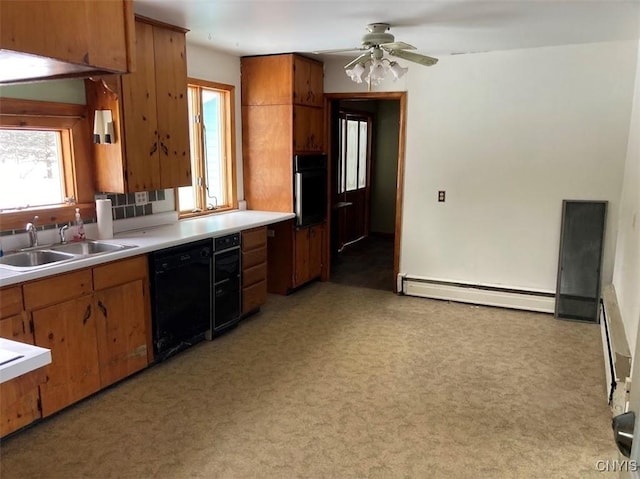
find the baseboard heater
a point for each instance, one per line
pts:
(541, 301)
(617, 356)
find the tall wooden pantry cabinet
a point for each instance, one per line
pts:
(282, 115)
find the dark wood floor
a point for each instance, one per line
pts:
(367, 263)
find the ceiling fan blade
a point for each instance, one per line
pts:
(397, 46)
(361, 59)
(338, 50)
(414, 57)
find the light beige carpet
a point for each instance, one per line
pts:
(343, 382)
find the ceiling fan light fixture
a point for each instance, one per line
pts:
(377, 71)
(397, 70)
(355, 73)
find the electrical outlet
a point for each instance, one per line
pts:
(142, 198)
(441, 195)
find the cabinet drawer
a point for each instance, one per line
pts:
(10, 301)
(254, 238)
(254, 257)
(119, 272)
(253, 275)
(254, 296)
(57, 289)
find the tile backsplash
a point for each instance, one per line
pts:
(122, 206)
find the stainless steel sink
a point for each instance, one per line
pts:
(42, 256)
(89, 247)
(29, 259)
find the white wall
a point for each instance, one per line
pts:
(509, 135)
(626, 273)
(64, 91)
(212, 65)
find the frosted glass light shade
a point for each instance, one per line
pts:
(355, 73)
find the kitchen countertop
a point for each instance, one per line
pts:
(29, 358)
(154, 238)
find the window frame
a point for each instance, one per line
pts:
(229, 122)
(71, 119)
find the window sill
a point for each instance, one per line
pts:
(47, 215)
(188, 215)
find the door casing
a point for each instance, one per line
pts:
(328, 107)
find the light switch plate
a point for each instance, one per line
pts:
(142, 198)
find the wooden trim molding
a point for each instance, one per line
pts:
(402, 98)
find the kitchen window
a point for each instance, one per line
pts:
(212, 138)
(45, 167)
(31, 168)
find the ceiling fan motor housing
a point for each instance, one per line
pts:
(377, 35)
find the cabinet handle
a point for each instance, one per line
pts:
(103, 308)
(154, 149)
(87, 314)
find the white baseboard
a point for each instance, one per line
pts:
(479, 294)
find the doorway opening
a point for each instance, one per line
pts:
(366, 149)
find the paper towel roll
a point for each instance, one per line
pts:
(105, 219)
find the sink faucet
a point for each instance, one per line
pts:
(33, 233)
(63, 228)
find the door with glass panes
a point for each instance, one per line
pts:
(353, 178)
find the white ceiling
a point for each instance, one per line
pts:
(439, 28)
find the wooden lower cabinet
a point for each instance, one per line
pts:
(308, 247)
(96, 322)
(69, 330)
(122, 344)
(18, 397)
(294, 256)
(254, 269)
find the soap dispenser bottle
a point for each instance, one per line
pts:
(78, 234)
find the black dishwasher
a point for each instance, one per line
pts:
(181, 296)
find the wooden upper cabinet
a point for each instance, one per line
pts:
(308, 78)
(307, 129)
(170, 53)
(267, 80)
(140, 117)
(282, 80)
(150, 114)
(65, 39)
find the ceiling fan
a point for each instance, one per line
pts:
(375, 44)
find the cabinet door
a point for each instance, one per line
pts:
(121, 332)
(302, 274)
(308, 131)
(315, 251)
(69, 38)
(19, 404)
(169, 47)
(140, 119)
(68, 329)
(50, 29)
(308, 80)
(267, 80)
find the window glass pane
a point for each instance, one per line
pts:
(212, 114)
(30, 168)
(187, 194)
(352, 154)
(362, 156)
